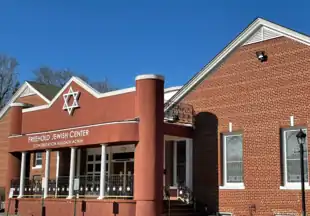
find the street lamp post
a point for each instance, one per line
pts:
(301, 138)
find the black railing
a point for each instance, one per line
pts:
(179, 113)
(58, 187)
(116, 186)
(32, 187)
(89, 186)
(119, 186)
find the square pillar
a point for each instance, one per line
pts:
(102, 171)
(189, 163)
(72, 172)
(22, 175)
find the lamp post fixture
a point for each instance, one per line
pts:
(301, 138)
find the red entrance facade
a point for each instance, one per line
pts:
(118, 135)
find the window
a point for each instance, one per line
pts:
(181, 162)
(291, 157)
(233, 160)
(37, 162)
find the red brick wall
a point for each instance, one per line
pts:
(4, 132)
(62, 207)
(258, 98)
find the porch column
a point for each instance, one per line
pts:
(148, 164)
(72, 172)
(57, 172)
(47, 172)
(78, 163)
(102, 171)
(189, 163)
(22, 175)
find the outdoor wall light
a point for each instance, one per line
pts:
(261, 56)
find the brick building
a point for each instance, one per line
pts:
(225, 141)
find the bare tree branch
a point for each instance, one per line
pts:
(48, 76)
(8, 78)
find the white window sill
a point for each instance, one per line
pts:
(294, 186)
(232, 187)
(37, 167)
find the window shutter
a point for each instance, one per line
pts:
(221, 161)
(282, 172)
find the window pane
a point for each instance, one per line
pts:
(90, 157)
(293, 157)
(90, 168)
(39, 162)
(234, 161)
(181, 151)
(98, 157)
(97, 167)
(38, 159)
(39, 155)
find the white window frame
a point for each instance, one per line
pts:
(35, 159)
(230, 185)
(291, 185)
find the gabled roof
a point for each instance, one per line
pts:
(27, 86)
(257, 31)
(49, 91)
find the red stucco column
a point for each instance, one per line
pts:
(148, 182)
(13, 166)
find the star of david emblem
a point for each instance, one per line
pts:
(75, 103)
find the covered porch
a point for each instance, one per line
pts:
(99, 172)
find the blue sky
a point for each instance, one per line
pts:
(120, 39)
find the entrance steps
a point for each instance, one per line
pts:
(178, 208)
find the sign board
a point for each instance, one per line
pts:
(11, 192)
(66, 137)
(76, 184)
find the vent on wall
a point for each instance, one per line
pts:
(262, 34)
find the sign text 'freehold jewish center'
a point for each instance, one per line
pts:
(58, 139)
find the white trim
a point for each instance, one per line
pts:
(171, 89)
(38, 93)
(228, 50)
(79, 127)
(37, 167)
(22, 175)
(16, 96)
(291, 185)
(291, 121)
(230, 127)
(150, 76)
(102, 171)
(295, 186)
(72, 172)
(233, 186)
(46, 172)
(27, 92)
(189, 163)
(17, 105)
(230, 185)
(57, 169)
